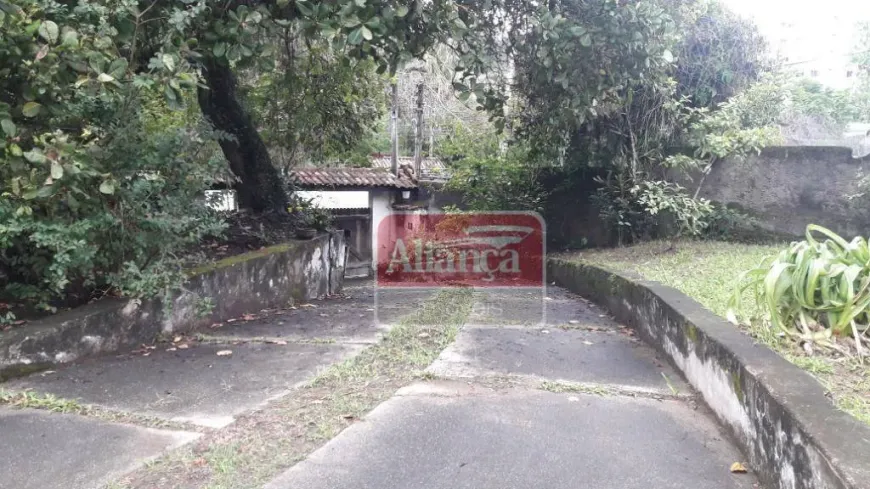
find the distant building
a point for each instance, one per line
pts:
(815, 39)
(359, 199)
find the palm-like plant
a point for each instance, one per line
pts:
(815, 290)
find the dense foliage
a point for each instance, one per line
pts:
(489, 179)
(103, 185)
(618, 86)
(314, 107)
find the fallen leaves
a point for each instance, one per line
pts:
(738, 468)
(224, 353)
(276, 342)
(144, 350)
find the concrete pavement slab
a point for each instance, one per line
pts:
(42, 450)
(522, 439)
(550, 305)
(360, 314)
(349, 318)
(557, 354)
(195, 385)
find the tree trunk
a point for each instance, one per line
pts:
(260, 187)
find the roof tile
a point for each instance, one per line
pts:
(352, 177)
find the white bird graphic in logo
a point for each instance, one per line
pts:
(495, 236)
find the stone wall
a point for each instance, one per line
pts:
(787, 188)
(268, 278)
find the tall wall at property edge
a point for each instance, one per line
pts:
(787, 188)
(790, 431)
(269, 278)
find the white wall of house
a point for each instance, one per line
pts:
(381, 204)
(222, 200)
(336, 199)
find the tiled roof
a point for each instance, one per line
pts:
(352, 178)
(430, 168)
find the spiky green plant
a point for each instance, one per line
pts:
(813, 290)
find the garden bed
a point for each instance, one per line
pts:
(707, 272)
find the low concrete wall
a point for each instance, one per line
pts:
(272, 277)
(792, 435)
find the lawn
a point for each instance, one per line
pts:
(708, 272)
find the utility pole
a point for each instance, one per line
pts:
(418, 133)
(394, 128)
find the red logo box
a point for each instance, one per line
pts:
(481, 249)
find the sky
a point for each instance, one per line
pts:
(823, 25)
(814, 37)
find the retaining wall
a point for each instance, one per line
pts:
(792, 434)
(268, 278)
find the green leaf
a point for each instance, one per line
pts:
(401, 11)
(118, 68)
(168, 61)
(31, 109)
(355, 37)
(586, 40)
(35, 156)
(351, 21)
(366, 33)
(72, 202)
(8, 127)
(70, 38)
(107, 187)
(105, 78)
(668, 56)
(49, 31)
(219, 50)
(56, 170)
(305, 8)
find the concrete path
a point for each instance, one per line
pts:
(574, 402)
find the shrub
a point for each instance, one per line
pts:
(650, 208)
(813, 290)
(498, 180)
(115, 218)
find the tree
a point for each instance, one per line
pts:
(120, 47)
(719, 55)
(102, 186)
(312, 106)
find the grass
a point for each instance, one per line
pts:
(707, 271)
(262, 444)
(34, 400)
(29, 399)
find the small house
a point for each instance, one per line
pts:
(359, 198)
